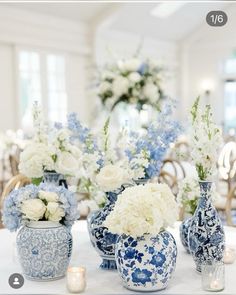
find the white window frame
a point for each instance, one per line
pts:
(43, 53)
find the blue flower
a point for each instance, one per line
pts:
(141, 276)
(129, 253)
(158, 259)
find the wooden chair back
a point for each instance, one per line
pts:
(14, 183)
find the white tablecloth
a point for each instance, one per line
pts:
(185, 279)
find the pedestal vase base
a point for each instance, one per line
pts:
(108, 264)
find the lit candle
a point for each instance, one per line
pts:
(76, 279)
(216, 285)
(229, 256)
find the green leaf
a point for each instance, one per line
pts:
(37, 181)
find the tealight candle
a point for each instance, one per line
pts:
(213, 276)
(76, 279)
(229, 255)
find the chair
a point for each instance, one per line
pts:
(174, 167)
(14, 183)
(229, 206)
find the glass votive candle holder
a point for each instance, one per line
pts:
(76, 279)
(213, 276)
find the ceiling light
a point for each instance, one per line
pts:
(166, 9)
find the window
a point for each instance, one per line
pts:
(230, 95)
(230, 105)
(29, 79)
(57, 98)
(42, 78)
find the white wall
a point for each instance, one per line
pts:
(23, 29)
(7, 87)
(203, 55)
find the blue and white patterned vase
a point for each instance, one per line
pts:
(183, 232)
(44, 250)
(146, 263)
(206, 233)
(103, 240)
(54, 178)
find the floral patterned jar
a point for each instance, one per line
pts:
(44, 249)
(146, 263)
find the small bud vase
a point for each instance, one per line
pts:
(146, 263)
(206, 234)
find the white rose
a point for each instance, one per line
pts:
(104, 87)
(120, 86)
(67, 164)
(34, 159)
(33, 209)
(134, 77)
(48, 196)
(54, 212)
(110, 178)
(150, 91)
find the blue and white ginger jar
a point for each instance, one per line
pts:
(44, 250)
(146, 263)
(102, 240)
(206, 233)
(183, 232)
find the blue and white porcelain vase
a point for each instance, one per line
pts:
(183, 232)
(103, 240)
(206, 233)
(44, 250)
(54, 178)
(146, 263)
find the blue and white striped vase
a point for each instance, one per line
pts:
(206, 234)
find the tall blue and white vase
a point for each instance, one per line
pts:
(102, 240)
(44, 250)
(183, 232)
(206, 233)
(146, 263)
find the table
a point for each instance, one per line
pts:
(185, 279)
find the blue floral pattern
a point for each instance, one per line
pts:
(206, 233)
(44, 253)
(183, 231)
(146, 263)
(102, 240)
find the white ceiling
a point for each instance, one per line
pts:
(84, 12)
(136, 18)
(131, 17)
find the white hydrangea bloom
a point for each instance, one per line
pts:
(143, 209)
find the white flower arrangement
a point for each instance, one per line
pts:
(131, 81)
(39, 203)
(49, 150)
(206, 139)
(189, 194)
(143, 209)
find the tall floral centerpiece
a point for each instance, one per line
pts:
(44, 214)
(131, 81)
(50, 154)
(145, 251)
(206, 233)
(109, 172)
